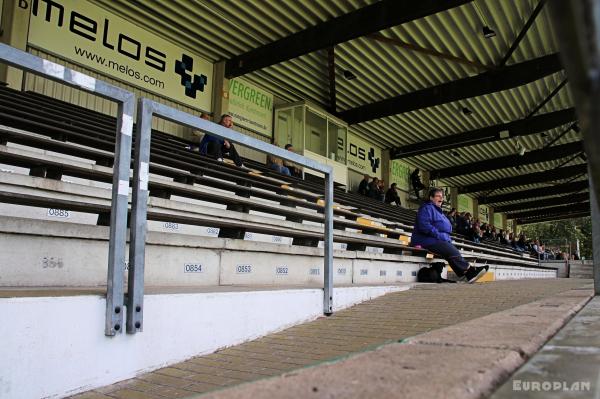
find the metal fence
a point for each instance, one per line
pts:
(121, 167)
(146, 110)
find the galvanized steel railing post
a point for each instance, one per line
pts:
(139, 201)
(328, 245)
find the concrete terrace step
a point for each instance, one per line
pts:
(391, 318)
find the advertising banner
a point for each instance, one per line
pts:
(251, 107)
(86, 34)
(484, 214)
(400, 174)
(465, 204)
(363, 157)
(509, 225)
(498, 220)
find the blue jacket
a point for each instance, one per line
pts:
(207, 139)
(431, 226)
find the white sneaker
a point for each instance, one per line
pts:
(219, 159)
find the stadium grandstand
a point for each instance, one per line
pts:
(140, 257)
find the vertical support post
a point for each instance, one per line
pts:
(118, 218)
(139, 204)
(328, 245)
(595, 211)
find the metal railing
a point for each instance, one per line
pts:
(121, 167)
(146, 110)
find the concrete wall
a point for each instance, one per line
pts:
(55, 346)
(48, 253)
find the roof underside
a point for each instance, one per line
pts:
(422, 53)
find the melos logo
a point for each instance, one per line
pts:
(374, 161)
(191, 87)
(79, 31)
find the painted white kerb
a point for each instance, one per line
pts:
(55, 346)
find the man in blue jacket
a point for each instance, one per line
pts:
(217, 147)
(432, 231)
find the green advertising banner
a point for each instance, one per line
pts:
(400, 174)
(251, 107)
(465, 203)
(498, 220)
(86, 34)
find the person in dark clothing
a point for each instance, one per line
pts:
(363, 187)
(391, 196)
(415, 180)
(432, 231)
(452, 218)
(375, 191)
(217, 147)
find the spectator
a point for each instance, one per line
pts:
(521, 242)
(391, 196)
(415, 180)
(465, 225)
(536, 249)
(375, 190)
(363, 187)
(197, 134)
(217, 147)
(432, 231)
(276, 164)
(294, 169)
(476, 234)
(452, 218)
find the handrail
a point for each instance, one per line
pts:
(146, 110)
(120, 182)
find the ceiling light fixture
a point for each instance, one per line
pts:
(488, 32)
(348, 75)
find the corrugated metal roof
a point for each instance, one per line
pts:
(221, 29)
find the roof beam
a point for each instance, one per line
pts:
(543, 155)
(364, 21)
(567, 199)
(536, 192)
(556, 210)
(522, 180)
(554, 218)
(523, 32)
(332, 91)
(418, 49)
(500, 79)
(521, 127)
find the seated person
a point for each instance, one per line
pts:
(276, 164)
(375, 190)
(391, 196)
(363, 187)
(432, 231)
(295, 170)
(415, 180)
(217, 147)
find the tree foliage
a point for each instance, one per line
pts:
(557, 233)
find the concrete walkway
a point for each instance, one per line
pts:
(370, 325)
(568, 366)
